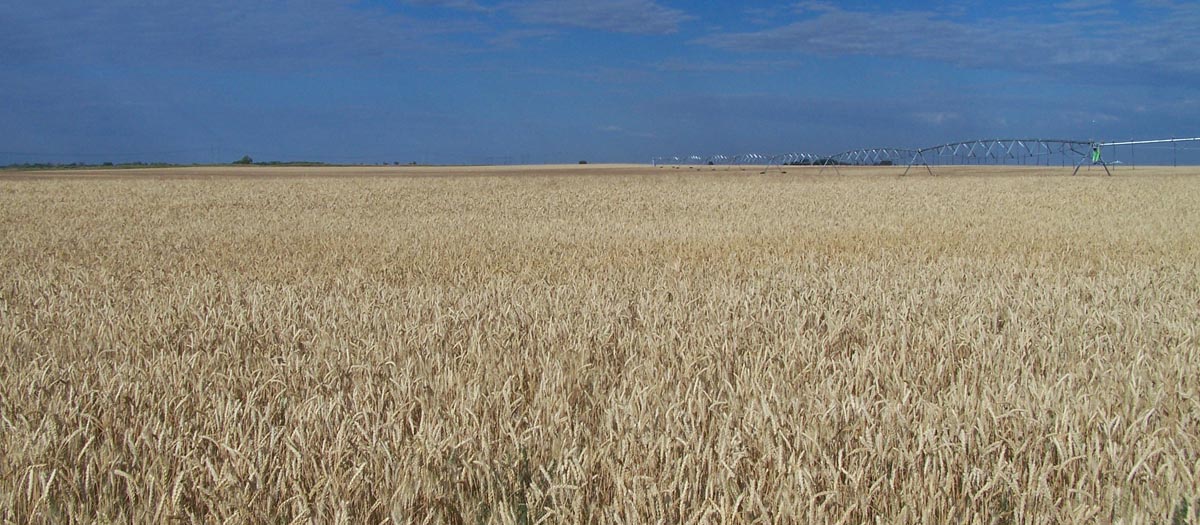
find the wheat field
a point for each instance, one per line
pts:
(599, 345)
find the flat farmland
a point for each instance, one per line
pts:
(600, 344)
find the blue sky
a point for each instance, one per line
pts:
(472, 81)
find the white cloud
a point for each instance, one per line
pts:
(514, 38)
(1072, 5)
(676, 65)
(936, 117)
(266, 33)
(461, 5)
(1162, 40)
(618, 16)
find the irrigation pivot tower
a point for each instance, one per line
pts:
(1096, 159)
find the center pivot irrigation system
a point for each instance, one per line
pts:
(1034, 152)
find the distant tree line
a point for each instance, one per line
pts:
(85, 165)
(25, 166)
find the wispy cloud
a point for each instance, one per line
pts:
(1072, 5)
(614, 16)
(618, 16)
(618, 130)
(267, 33)
(514, 38)
(1163, 40)
(677, 65)
(461, 5)
(936, 118)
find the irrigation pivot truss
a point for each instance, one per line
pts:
(1033, 149)
(873, 156)
(1028, 151)
(994, 151)
(744, 159)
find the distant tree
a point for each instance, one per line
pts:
(244, 160)
(583, 162)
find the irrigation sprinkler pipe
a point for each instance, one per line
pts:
(1160, 141)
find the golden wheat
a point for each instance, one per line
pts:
(601, 345)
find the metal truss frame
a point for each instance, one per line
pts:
(997, 150)
(1002, 150)
(873, 156)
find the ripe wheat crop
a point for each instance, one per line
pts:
(600, 346)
